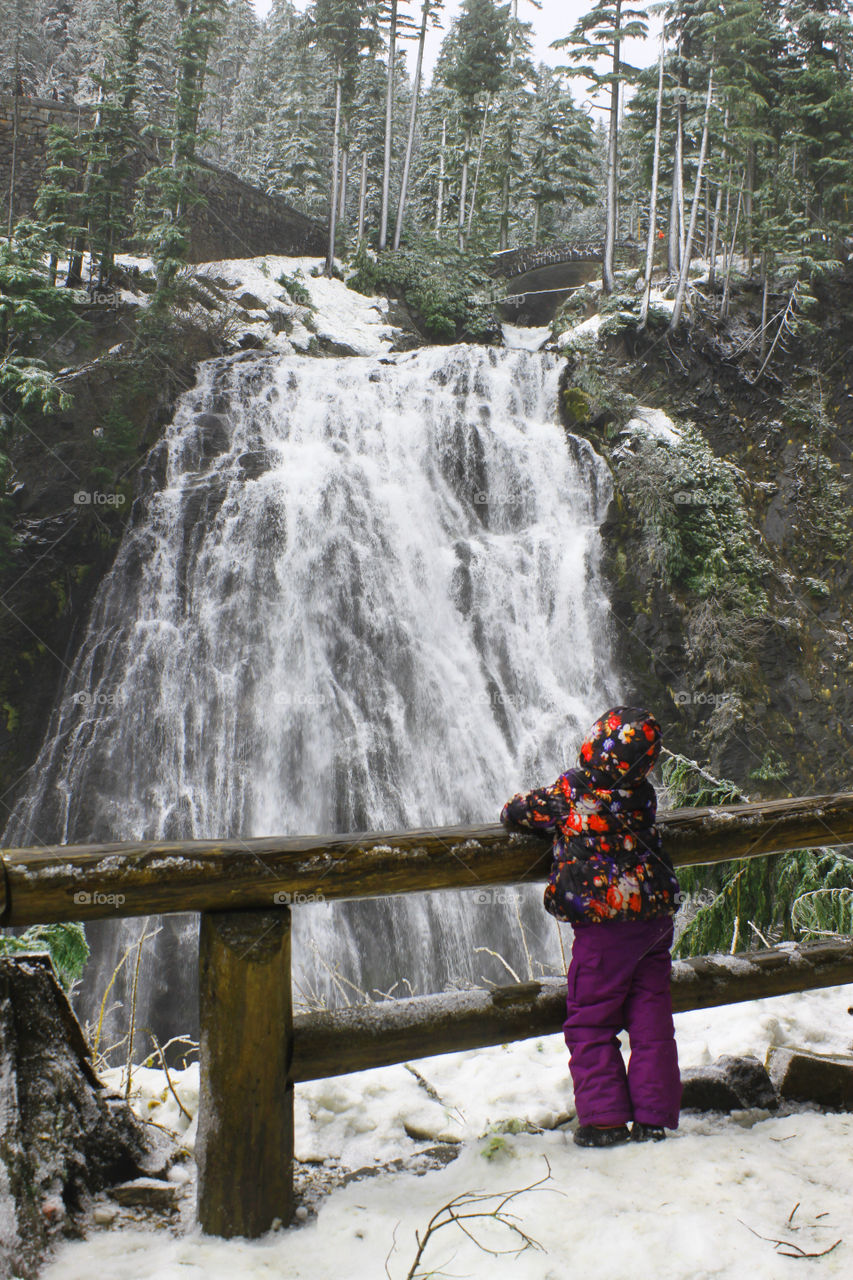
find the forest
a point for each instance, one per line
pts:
(738, 135)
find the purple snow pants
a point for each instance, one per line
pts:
(619, 980)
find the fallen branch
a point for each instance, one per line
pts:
(162, 1057)
(782, 1245)
(455, 1211)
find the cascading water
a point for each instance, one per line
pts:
(361, 594)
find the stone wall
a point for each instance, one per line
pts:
(234, 220)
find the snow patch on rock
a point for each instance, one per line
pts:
(655, 423)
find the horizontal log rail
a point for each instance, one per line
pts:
(252, 1048)
(392, 1031)
(137, 878)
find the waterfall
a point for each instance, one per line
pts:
(357, 594)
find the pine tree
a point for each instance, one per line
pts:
(599, 34)
(558, 145)
(342, 28)
(167, 192)
(478, 48)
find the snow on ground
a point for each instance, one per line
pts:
(687, 1207)
(584, 329)
(654, 422)
(340, 315)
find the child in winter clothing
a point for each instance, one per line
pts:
(612, 882)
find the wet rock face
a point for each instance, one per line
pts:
(63, 1137)
(772, 706)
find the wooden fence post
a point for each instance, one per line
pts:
(244, 1147)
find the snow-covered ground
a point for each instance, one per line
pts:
(339, 314)
(685, 1209)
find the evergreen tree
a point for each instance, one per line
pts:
(342, 29)
(169, 190)
(558, 143)
(599, 34)
(478, 49)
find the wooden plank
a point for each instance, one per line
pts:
(377, 1035)
(150, 878)
(244, 1147)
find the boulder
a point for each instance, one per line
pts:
(826, 1079)
(729, 1084)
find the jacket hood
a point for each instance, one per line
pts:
(623, 744)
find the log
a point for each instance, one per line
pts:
(64, 1137)
(244, 1147)
(377, 1035)
(88, 882)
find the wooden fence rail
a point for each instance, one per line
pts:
(88, 882)
(252, 1048)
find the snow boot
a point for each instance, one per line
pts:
(594, 1135)
(647, 1132)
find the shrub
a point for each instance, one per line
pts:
(447, 291)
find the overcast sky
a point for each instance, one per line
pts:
(555, 19)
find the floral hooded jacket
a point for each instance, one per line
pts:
(608, 860)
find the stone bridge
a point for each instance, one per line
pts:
(539, 278)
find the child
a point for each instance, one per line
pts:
(611, 881)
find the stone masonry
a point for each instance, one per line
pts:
(235, 220)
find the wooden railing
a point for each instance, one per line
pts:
(253, 1049)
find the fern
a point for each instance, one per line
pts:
(792, 895)
(66, 944)
(824, 912)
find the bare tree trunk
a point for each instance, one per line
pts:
(724, 303)
(463, 189)
(413, 114)
(607, 282)
(342, 205)
(715, 229)
(504, 219)
(14, 165)
(477, 169)
(362, 197)
(765, 275)
(333, 203)
(747, 206)
(715, 235)
(673, 259)
(536, 210)
(653, 201)
(389, 112)
(694, 207)
(439, 206)
(679, 172)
